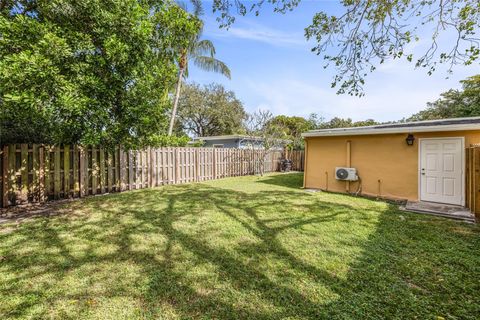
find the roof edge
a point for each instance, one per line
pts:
(372, 131)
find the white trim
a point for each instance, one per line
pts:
(463, 160)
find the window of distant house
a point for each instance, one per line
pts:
(218, 145)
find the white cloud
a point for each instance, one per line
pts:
(260, 33)
(294, 97)
(268, 36)
(294, 82)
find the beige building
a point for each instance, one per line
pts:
(413, 161)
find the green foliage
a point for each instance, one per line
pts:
(337, 122)
(454, 103)
(196, 143)
(91, 72)
(293, 127)
(202, 53)
(366, 33)
(209, 111)
(167, 141)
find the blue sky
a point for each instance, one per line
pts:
(273, 68)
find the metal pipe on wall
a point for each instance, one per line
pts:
(349, 161)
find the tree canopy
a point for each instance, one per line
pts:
(293, 128)
(337, 122)
(366, 33)
(209, 110)
(202, 53)
(91, 71)
(454, 103)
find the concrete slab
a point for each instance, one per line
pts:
(440, 209)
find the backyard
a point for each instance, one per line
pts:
(238, 248)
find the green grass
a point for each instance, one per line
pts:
(239, 248)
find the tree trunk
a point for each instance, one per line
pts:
(262, 162)
(175, 102)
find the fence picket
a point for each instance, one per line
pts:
(24, 171)
(101, 166)
(129, 158)
(66, 171)
(34, 188)
(95, 169)
(56, 173)
(76, 162)
(41, 174)
(35, 173)
(47, 171)
(117, 166)
(83, 187)
(5, 177)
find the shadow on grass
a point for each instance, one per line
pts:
(204, 252)
(293, 180)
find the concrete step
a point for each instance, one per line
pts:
(440, 210)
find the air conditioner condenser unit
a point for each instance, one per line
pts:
(346, 174)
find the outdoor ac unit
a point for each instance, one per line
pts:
(347, 174)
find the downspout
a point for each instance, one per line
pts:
(349, 162)
(305, 164)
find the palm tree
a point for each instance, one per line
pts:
(202, 53)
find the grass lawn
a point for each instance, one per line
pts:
(238, 248)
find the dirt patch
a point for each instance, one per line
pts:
(18, 214)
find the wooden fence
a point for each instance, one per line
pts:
(298, 159)
(37, 173)
(472, 156)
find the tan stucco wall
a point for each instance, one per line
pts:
(387, 166)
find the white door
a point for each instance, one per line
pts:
(441, 170)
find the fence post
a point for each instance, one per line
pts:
(82, 180)
(66, 171)
(197, 159)
(5, 177)
(102, 170)
(130, 170)
(24, 170)
(41, 174)
(175, 161)
(35, 174)
(75, 176)
(143, 154)
(110, 156)
(122, 169)
(56, 172)
(152, 168)
(476, 187)
(94, 170)
(116, 156)
(214, 163)
(47, 176)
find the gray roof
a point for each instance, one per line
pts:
(454, 124)
(441, 122)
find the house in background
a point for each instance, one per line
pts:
(418, 161)
(236, 141)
